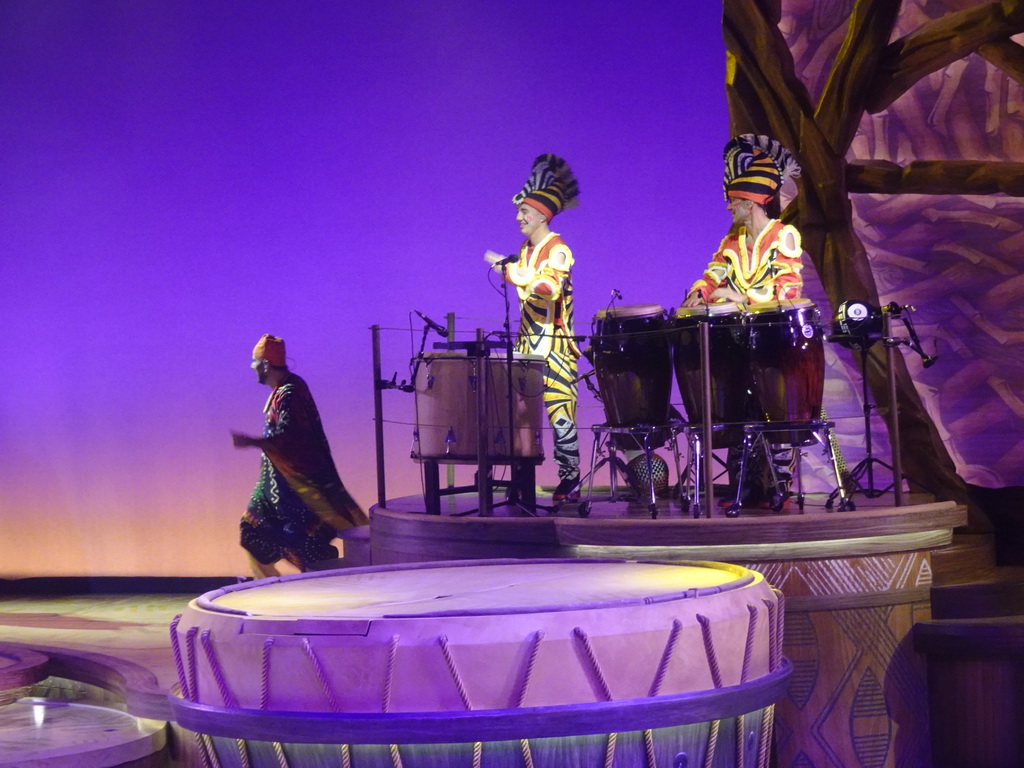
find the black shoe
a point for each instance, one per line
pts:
(567, 489)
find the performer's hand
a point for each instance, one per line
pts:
(492, 258)
(242, 441)
(695, 299)
(727, 294)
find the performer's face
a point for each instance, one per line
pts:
(529, 219)
(740, 210)
(260, 366)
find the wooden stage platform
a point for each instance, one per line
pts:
(402, 532)
(854, 584)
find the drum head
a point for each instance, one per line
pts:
(715, 310)
(779, 306)
(631, 310)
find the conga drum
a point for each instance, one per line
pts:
(447, 422)
(633, 360)
(787, 364)
(546, 663)
(731, 399)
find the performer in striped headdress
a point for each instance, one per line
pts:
(760, 259)
(543, 279)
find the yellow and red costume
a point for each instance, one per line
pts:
(763, 268)
(543, 280)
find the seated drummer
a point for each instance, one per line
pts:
(758, 261)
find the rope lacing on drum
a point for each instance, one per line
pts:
(179, 664)
(346, 756)
(773, 623)
(652, 758)
(530, 661)
(321, 675)
(666, 656)
(268, 644)
(208, 751)
(780, 624)
(243, 753)
(709, 756)
(609, 752)
(190, 651)
(748, 648)
(767, 721)
(453, 670)
(740, 753)
(709, 650)
(282, 759)
(581, 636)
(218, 675)
(389, 674)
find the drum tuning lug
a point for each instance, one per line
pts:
(653, 509)
(472, 383)
(430, 381)
(449, 440)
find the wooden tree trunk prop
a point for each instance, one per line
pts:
(766, 96)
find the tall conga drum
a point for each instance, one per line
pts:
(731, 398)
(787, 363)
(447, 420)
(544, 663)
(633, 360)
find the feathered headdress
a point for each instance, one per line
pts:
(756, 167)
(551, 187)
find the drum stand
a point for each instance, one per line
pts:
(756, 434)
(604, 436)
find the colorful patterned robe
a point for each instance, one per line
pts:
(299, 502)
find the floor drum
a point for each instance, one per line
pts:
(507, 663)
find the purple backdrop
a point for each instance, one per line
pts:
(180, 177)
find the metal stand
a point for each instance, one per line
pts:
(756, 434)
(603, 438)
(865, 467)
(700, 469)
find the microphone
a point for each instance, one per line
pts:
(432, 324)
(507, 260)
(927, 361)
(616, 294)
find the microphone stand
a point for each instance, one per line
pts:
(521, 498)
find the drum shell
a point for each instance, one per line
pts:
(787, 365)
(732, 401)
(633, 361)
(447, 425)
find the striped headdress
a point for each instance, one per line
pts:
(756, 167)
(551, 187)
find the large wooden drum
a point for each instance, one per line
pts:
(558, 663)
(731, 398)
(447, 421)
